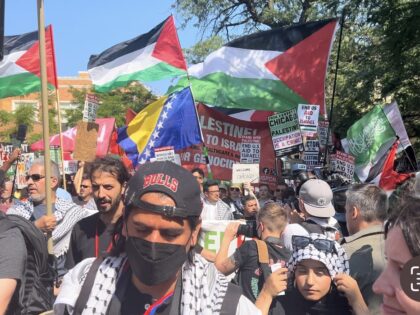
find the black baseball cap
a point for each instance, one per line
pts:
(168, 178)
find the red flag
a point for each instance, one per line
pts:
(390, 178)
(129, 115)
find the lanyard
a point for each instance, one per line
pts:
(154, 307)
(108, 249)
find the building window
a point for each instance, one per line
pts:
(19, 103)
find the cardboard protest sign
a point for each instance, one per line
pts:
(223, 136)
(85, 144)
(343, 164)
(91, 106)
(245, 173)
(285, 132)
(250, 149)
(165, 154)
(308, 119)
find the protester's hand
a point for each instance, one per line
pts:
(294, 215)
(276, 282)
(14, 155)
(349, 287)
(231, 230)
(46, 223)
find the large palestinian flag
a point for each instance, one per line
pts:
(149, 57)
(20, 68)
(272, 70)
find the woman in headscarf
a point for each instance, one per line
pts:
(318, 282)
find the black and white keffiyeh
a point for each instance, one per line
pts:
(335, 262)
(67, 214)
(203, 288)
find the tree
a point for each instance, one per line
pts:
(112, 104)
(379, 58)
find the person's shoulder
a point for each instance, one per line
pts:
(295, 229)
(88, 222)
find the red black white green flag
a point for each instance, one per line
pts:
(149, 57)
(20, 68)
(273, 70)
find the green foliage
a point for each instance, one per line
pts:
(380, 52)
(112, 104)
(5, 117)
(25, 114)
(199, 51)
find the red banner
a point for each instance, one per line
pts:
(223, 137)
(106, 126)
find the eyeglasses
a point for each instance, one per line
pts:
(234, 189)
(34, 177)
(324, 245)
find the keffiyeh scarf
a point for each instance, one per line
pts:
(203, 288)
(67, 215)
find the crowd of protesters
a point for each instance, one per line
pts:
(129, 244)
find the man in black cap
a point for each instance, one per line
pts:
(153, 268)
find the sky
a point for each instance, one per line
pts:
(86, 27)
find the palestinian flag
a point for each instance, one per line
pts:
(149, 57)
(20, 69)
(273, 70)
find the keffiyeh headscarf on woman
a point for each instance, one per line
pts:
(330, 253)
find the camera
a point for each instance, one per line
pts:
(249, 229)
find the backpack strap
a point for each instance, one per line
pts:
(263, 258)
(231, 300)
(87, 286)
(312, 227)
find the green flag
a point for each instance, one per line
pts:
(368, 139)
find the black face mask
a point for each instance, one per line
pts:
(154, 263)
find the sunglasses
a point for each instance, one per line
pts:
(323, 245)
(34, 177)
(234, 189)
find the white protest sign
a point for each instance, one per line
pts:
(22, 168)
(250, 149)
(285, 132)
(342, 163)
(165, 154)
(245, 173)
(308, 118)
(312, 146)
(91, 106)
(70, 167)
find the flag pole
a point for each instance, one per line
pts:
(205, 150)
(335, 84)
(60, 130)
(45, 122)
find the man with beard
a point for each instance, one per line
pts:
(65, 212)
(92, 236)
(154, 269)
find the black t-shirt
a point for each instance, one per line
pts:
(250, 276)
(83, 239)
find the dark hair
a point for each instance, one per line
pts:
(112, 166)
(248, 198)
(408, 220)
(210, 183)
(198, 170)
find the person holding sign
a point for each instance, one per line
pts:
(153, 269)
(251, 271)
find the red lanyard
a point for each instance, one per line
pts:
(154, 307)
(108, 249)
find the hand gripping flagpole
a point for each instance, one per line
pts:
(205, 151)
(45, 122)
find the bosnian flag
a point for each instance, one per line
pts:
(153, 56)
(20, 68)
